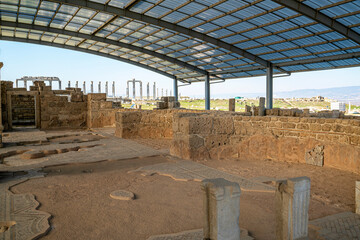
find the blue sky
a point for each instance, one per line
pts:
(22, 59)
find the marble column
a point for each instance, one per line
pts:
(292, 199)
(221, 204)
(232, 104)
(262, 106)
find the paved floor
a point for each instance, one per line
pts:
(344, 226)
(33, 149)
(187, 170)
(193, 235)
(108, 147)
(19, 218)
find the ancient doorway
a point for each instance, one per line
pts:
(23, 109)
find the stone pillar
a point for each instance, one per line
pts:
(357, 197)
(25, 84)
(9, 110)
(16, 82)
(69, 85)
(166, 92)
(154, 91)
(106, 88)
(92, 87)
(113, 89)
(59, 85)
(262, 106)
(292, 205)
(99, 87)
(162, 92)
(141, 92)
(37, 111)
(84, 87)
(221, 209)
(157, 93)
(50, 83)
(148, 91)
(232, 104)
(77, 84)
(134, 93)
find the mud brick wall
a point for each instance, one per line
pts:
(100, 112)
(276, 138)
(58, 112)
(152, 124)
(23, 109)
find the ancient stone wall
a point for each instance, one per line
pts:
(58, 112)
(148, 124)
(101, 113)
(68, 108)
(5, 86)
(23, 109)
(318, 141)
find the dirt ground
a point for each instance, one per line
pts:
(77, 196)
(330, 187)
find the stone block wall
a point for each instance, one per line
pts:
(5, 86)
(148, 124)
(289, 139)
(58, 112)
(54, 109)
(23, 109)
(100, 113)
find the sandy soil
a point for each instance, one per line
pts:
(77, 196)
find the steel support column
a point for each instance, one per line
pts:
(269, 86)
(176, 89)
(207, 92)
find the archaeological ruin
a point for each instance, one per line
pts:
(120, 155)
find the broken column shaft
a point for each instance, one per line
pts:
(113, 89)
(232, 104)
(292, 205)
(221, 209)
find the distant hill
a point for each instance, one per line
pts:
(344, 94)
(340, 93)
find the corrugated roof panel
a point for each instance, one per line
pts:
(265, 29)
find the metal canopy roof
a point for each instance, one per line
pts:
(189, 39)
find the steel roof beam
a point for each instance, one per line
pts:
(151, 20)
(319, 59)
(132, 4)
(25, 40)
(238, 70)
(246, 69)
(319, 17)
(104, 40)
